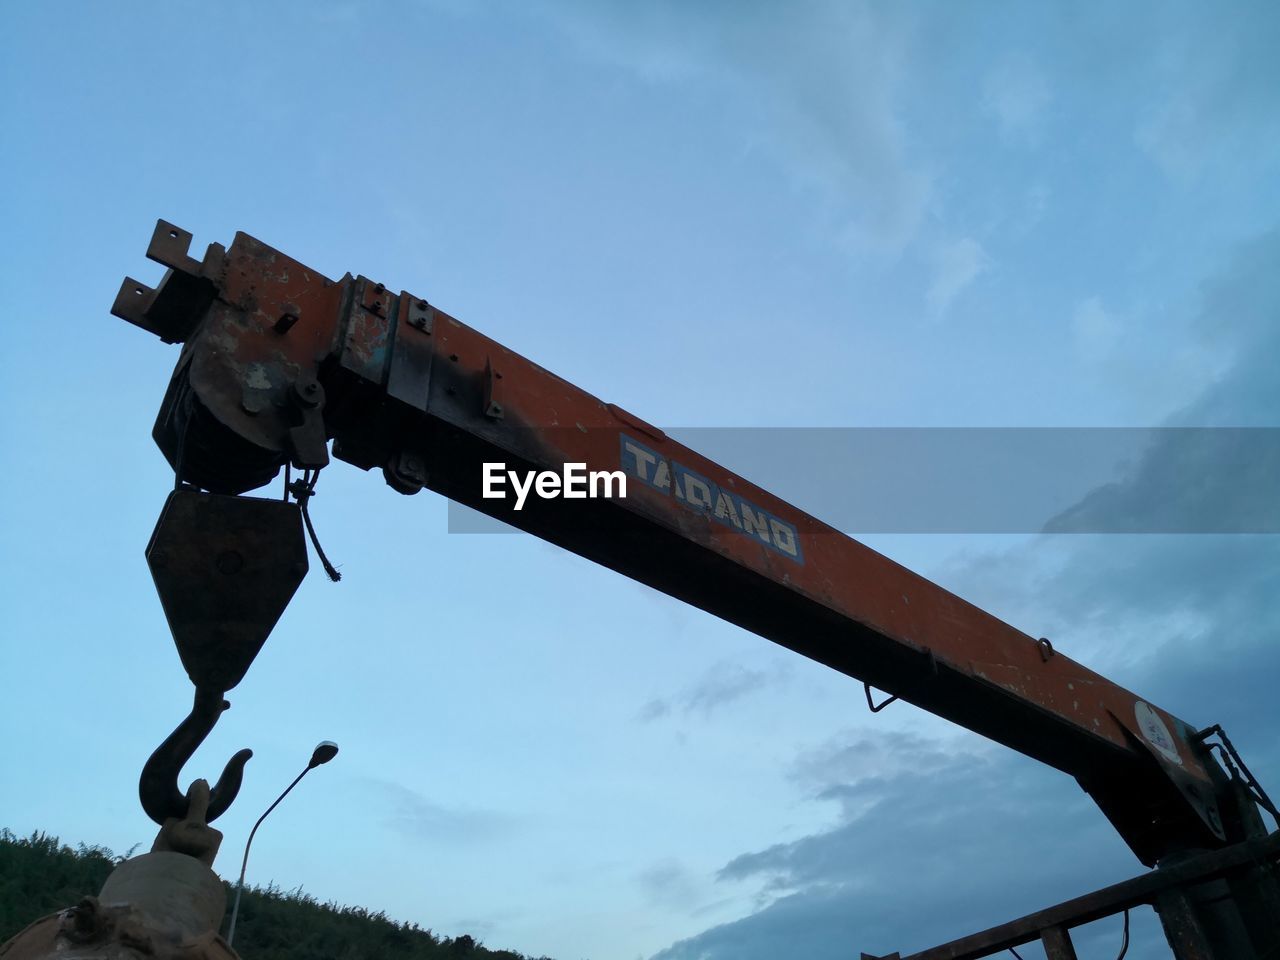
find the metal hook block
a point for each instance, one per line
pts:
(225, 569)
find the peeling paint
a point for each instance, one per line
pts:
(255, 377)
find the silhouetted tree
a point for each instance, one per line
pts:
(38, 875)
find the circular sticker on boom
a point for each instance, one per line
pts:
(1157, 734)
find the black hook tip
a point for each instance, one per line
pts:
(158, 786)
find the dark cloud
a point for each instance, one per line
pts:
(417, 817)
(855, 756)
(960, 837)
(722, 684)
(1180, 485)
(939, 839)
(668, 883)
(1225, 478)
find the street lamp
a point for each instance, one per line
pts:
(325, 751)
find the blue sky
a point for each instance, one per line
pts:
(714, 214)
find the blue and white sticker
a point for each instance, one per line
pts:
(1156, 732)
(701, 495)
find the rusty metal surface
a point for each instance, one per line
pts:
(431, 408)
(1165, 888)
(1057, 944)
(1185, 932)
(190, 834)
(161, 905)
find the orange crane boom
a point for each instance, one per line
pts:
(278, 360)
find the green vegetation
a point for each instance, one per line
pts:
(38, 875)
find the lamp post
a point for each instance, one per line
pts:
(325, 751)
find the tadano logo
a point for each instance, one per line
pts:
(574, 483)
(698, 493)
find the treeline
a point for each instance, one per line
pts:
(39, 875)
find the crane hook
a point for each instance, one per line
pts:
(158, 785)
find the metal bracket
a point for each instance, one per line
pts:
(494, 393)
(876, 708)
(1198, 795)
(406, 472)
(172, 310)
(308, 444)
(1057, 943)
(409, 375)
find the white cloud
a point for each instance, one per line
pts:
(820, 82)
(1037, 204)
(1016, 95)
(1095, 330)
(957, 265)
(1218, 101)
